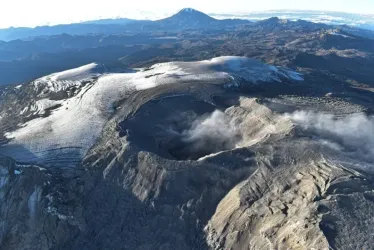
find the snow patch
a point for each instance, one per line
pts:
(53, 211)
(253, 70)
(30, 166)
(339, 34)
(17, 172)
(40, 107)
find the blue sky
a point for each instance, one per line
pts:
(41, 12)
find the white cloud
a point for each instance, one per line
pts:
(214, 133)
(353, 133)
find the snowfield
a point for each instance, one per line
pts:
(73, 77)
(77, 74)
(63, 137)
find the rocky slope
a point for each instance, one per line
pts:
(222, 154)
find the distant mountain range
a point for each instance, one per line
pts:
(326, 17)
(71, 29)
(184, 19)
(187, 19)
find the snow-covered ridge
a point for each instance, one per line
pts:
(75, 123)
(334, 33)
(226, 66)
(73, 77)
(253, 70)
(77, 74)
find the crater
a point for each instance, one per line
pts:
(180, 128)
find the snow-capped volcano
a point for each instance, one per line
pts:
(59, 131)
(188, 14)
(189, 18)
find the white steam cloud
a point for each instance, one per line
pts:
(353, 133)
(213, 133)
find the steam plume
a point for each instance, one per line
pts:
(352, 133)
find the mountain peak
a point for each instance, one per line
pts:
(191, 17)
(187, 10)
(271, 20)
(191, 13)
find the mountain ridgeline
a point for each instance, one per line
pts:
(184, 19)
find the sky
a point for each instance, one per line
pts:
(31, 13)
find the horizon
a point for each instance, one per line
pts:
(240, 15)
(42, 13)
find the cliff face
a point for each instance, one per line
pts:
(276, 188)
(137, 204)
(37, 206)
(307, 205)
